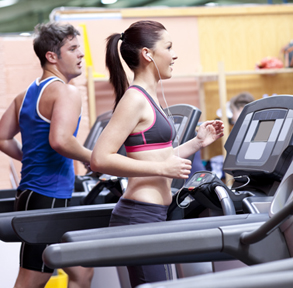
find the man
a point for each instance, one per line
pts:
(237, 104)
(47, 116)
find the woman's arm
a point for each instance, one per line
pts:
(208, 132)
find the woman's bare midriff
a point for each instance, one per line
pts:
(152, 189)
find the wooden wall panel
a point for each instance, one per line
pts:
(240, 41)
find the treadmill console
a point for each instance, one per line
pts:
(260, 143)
(199, 179)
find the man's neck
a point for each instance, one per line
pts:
(47, 72)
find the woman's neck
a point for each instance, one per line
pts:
(147, 82)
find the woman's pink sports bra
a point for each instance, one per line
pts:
(159, 135)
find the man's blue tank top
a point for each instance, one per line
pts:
(43, 169)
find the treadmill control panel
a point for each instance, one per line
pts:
(262, 135)
(260, 144)
(198, 179)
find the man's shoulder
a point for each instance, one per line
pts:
(60, 87)
(18, 99)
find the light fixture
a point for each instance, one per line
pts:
(108, 1)
(25, 34)
(211, 4)
(5, 3)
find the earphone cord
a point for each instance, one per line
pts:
(169, 112)
(171, 116)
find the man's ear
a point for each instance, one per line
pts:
(51, 57)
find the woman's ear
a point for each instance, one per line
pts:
(146, 54)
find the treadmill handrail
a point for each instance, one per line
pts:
(225, 200)
(268, 227)
(106, 252)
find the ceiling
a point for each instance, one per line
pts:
(18, 16)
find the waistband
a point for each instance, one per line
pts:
(128, 212)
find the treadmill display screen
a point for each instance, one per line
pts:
(263, 131)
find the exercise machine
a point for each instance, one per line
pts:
(137, 245)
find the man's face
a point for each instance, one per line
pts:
(70, 60)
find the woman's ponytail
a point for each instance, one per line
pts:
(118, 76)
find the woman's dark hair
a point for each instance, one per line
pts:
(51, 37)
(140, 34)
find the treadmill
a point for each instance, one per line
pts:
(36, 226)
(260, 151)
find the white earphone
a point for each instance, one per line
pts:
(149, 55)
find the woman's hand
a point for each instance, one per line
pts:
(176, 167)
(209, 132)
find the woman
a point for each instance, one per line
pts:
(139, 122)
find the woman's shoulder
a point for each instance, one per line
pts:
(135, 97)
